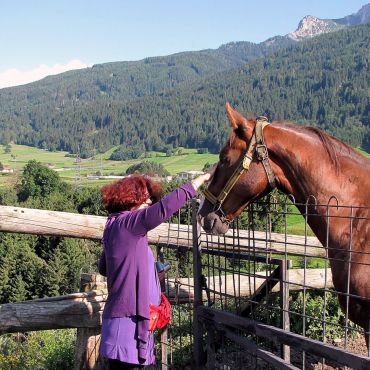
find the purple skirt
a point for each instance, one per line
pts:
(119, 335)
(119, 341)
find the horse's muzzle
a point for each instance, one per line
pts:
(213, 224)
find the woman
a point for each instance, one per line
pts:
(127, 261)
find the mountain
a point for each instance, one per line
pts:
(158, 75)
(143, 103)
(128, 80)
(361, 17)
(311, 26)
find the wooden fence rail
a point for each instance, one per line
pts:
(84, 310)
(42, 222)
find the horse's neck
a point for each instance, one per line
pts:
(305, 169)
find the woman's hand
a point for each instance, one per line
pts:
(161, 275)
(207, 177)
(210, 172)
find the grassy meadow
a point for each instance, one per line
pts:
(363, 152)
(69, 169)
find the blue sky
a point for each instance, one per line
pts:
(39, 35)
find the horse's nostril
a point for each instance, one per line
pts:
(207, 224)
(213, 224)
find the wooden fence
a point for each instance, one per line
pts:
(83, 310)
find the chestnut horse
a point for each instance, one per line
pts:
(303, 162)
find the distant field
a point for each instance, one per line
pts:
(68, 169)
(23, 154)
(363, 152)
(296, 223)
(185, 162)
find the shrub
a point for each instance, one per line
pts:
(41, 350)
(124, 154)
(314, 311)
(148, 167)
(37, 181)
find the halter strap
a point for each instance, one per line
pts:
(256, 144)
(261, 150)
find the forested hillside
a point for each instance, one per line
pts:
(164, 102)
(127, 80)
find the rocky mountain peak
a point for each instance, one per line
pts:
(311, 26)
(362, 16)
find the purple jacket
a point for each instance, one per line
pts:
(124, 260)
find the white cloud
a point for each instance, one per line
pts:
(15, 77)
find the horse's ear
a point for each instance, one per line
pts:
(235, 118)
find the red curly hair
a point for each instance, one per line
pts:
(129, 193)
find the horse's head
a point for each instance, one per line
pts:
(235, 186)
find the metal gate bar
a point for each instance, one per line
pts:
(357, 362)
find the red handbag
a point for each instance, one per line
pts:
(160, 315)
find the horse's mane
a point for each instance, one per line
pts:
(332, 145)
(328, 143)
(234, 140)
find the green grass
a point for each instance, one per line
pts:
(296, 223)
(185, 162)
(67, 167)
(108, 153)
(363, 152)
(23, 154)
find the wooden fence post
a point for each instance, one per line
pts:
(86, 356)
(284, 304)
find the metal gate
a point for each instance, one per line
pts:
(262, 296)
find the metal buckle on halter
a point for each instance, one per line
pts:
(246, 162)
(261, 151)
(217, 208)
(262, 118)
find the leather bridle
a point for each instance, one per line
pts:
(256, 145)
